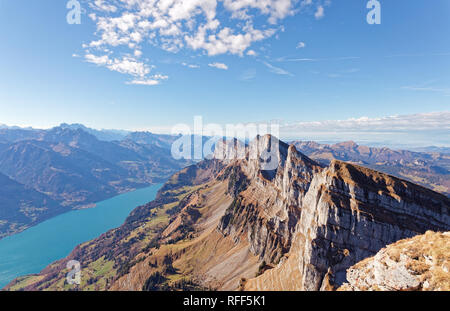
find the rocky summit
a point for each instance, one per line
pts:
(261, 216)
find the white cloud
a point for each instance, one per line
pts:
(320, 12)
(144, 82)
(100, 5)
(98, 60)
(193, 66)
(129, 66)
(93, 16)
(275, 9)
(173, 25)
(301, 45)
(160, 77)
(125, 65)
(226, 40)
(218, 66)
(153, 80)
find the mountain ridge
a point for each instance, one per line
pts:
(230, 224)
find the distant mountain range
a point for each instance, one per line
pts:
(106, 135)
(71, 166)
(430, 169)
(445, 150)
(229, 223)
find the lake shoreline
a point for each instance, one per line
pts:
(76, 208)
(30, 251)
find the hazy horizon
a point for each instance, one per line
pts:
(413, 131)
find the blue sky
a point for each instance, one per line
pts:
(311, 61)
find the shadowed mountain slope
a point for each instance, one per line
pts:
(23, 206)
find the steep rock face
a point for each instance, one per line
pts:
(348, 214)
(272, 181)
(418, 263)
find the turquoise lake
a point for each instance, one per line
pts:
(33, 249)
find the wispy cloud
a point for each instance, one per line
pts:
(277, 70)
(351, 70)
(431, 128)
(429, 86)
(420, 121)
(283, 59)
(320, 13)
(343, 73)
(334, 75)
(152, 80)
(219, 66)
(418, 55)
(248, 75)
(125, 65)
(301, 45)
(306, 59)
(192, 66)
(143, 82)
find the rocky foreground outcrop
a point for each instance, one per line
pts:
(261, 216)
(418, 263)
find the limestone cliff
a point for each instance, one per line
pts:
(348, 214)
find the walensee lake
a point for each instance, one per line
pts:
(33, 249)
